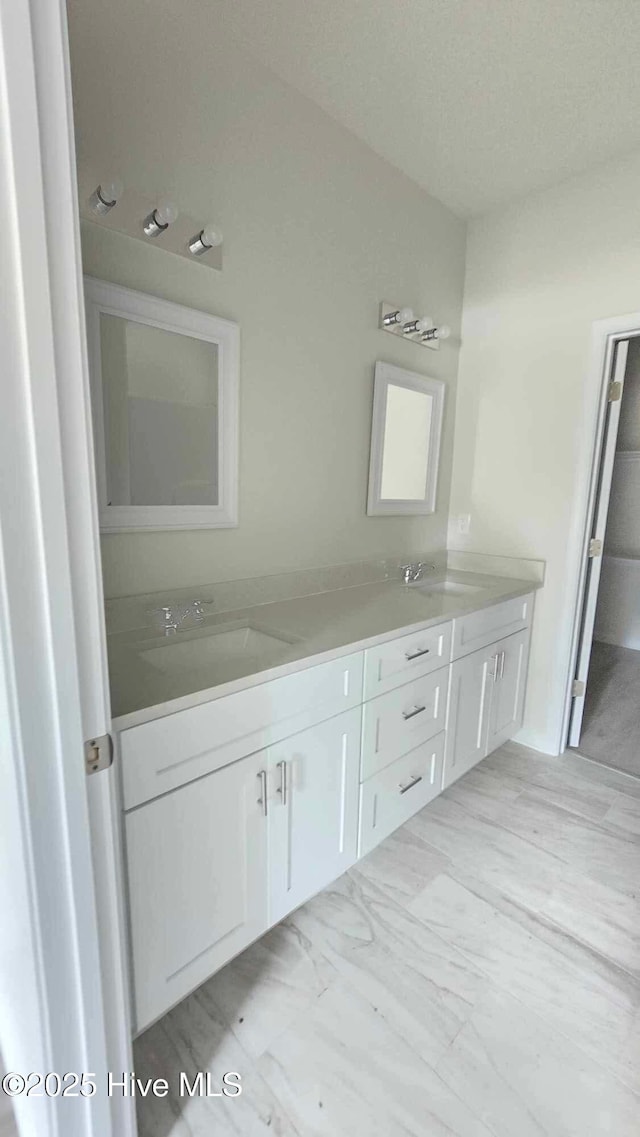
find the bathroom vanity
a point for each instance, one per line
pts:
(342, 714)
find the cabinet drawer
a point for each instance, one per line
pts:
(393, 795)
(478, 629)
(168, 752)
(396, 722)
(390, 664)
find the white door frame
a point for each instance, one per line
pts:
(617, 366)
(62, 984)
(605, 335)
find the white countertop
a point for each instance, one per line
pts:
(317, 628)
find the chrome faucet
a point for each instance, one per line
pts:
(196, 609)
(166, 618)
(170, 617)
(413, 572)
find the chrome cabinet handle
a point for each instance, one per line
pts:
(495, 666)
(502, 655)
(416, 654)
(412, 714)
(263, 790)
(284, 781)
(410, 785)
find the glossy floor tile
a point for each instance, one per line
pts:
(477, 975)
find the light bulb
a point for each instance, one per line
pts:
(405, 316)
(443, 332)
(211, 237)
(111, 190)
(424, 323)
(165, 211)
(207, 238)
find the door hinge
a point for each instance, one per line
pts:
(595, 547)
(577, 688)
(614, 393)
(98, 753)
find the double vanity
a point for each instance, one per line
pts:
(263, 751)
(273, 732)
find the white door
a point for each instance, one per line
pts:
(507, 694)
(68, 993)
(468, 718)
(198, 881)
(597, 535)
(313, 818)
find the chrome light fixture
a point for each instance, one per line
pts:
(106, 195)
(207, 238)
(441, 333)
(402, 322)
(423, 324)
(160, 218)
(401, 317)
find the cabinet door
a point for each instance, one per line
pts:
(507, 697)
(198, 882)
(469, 709)
(313, 810)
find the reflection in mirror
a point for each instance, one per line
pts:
(164, 386)
(405, 441)
(160, 393)
(405, 457)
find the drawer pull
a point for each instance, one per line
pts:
(284, 782)
(263, 790)
(412, 714)
(409, 655)
(411, 784)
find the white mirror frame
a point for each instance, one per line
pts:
(113, 300)
(386, 375)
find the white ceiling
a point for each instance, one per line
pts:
(479, 101)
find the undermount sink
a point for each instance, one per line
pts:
(450, 586)
(226, 647)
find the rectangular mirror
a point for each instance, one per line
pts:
(164, 396)
(405, 441)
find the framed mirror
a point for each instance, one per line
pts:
(164, 386)
(405, 441)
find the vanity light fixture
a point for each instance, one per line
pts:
(207, 238)
(403, 323)
(402, 316)
(106, 195)
(160, 218)
(441, 333)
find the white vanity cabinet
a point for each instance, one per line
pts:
(468, 720)
(313, 810)
(403, 738)
(507, 692)
(215, 863)
(241, 808)
(197, 862)
(486, 702)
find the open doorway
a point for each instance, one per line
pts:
(605, 719)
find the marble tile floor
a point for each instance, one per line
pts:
(611, 723)
(477, 975)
